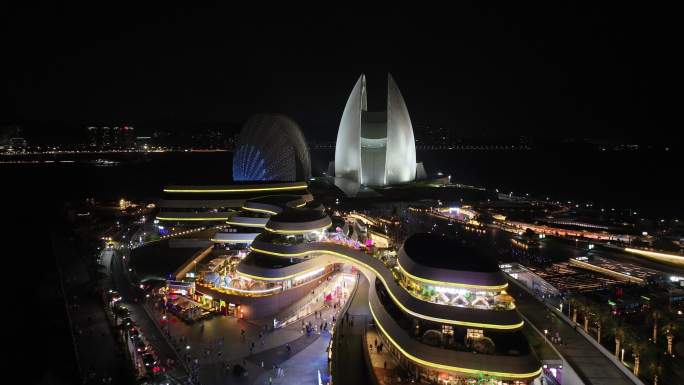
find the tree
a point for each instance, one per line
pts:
(655, 370)
(574, 302)
(619, 334)
(638, 345)
(603, 319)
(670, 327)
(586, 313)
(655, 316)
(584, 307)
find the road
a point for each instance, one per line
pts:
(99, 352)
(140, 316)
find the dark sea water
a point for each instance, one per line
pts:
(644, 180)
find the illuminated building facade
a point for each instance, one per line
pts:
(443, 309)
(375, 148)
(195, 205)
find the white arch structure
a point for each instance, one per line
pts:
(375, 149)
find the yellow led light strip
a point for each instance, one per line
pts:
(232, 289)
(259, 210)
(256, 277)
(192, 219)
(246, 224)
(230, 240)
(197, 190)
(296, 231)
(395, 299)
(441, 283)
(678, 259)
(449, 367)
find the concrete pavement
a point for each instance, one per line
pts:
(384, 363)
(351, 367)
(590, 364)
(223, 334)
(302, 368)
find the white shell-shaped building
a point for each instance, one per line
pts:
(375, 148)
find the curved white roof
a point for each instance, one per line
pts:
(374, 148)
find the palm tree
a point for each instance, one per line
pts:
(638, 346)
(655, 316)
(619, 334)
(574, 302)
(584, 306)
(655, 369)
(603, 319)
(670, 328)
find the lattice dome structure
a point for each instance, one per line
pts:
(271, 147)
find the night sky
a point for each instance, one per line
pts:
(549, 71)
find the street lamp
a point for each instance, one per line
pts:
(545, 336)
(622, 358)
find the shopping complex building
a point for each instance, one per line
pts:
(440, 306)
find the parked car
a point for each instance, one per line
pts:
(121, 311)
(112, 296)
(141, 346)
(151, 364)
(127, 323)
(134, 333)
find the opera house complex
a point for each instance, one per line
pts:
(440, 307)
(376, 148)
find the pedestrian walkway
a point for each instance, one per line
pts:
(219, 341)
(302, 368)
(350, 366)
(385, 365)
(592, 366)
(338, 285)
